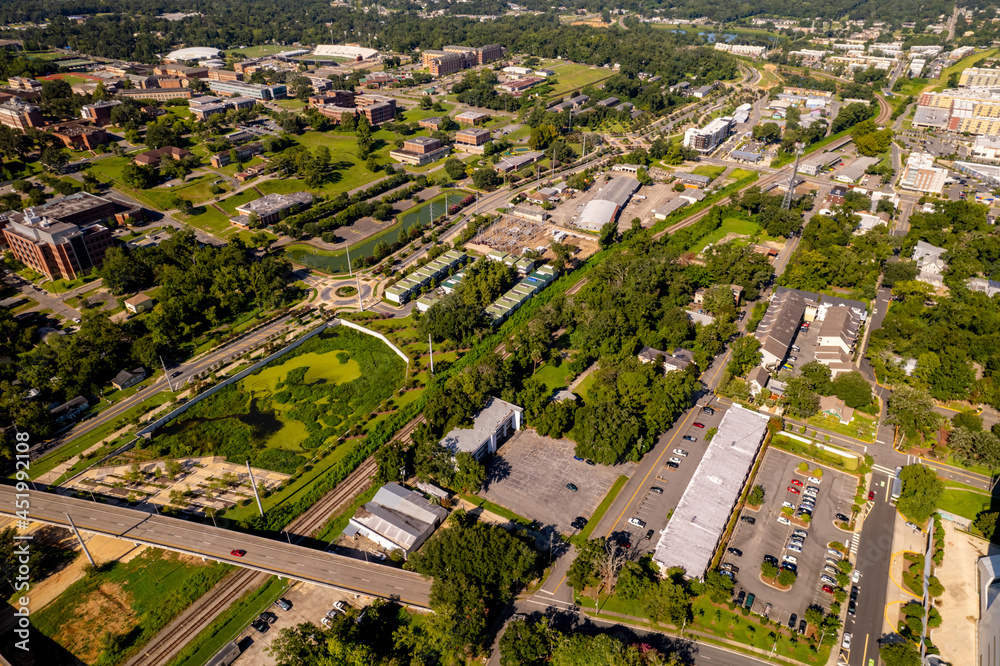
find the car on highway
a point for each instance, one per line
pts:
(689, 438)
(283, 604)
(656, 489)
(784, 521)
(572, 487)
(735, 551)
(681, 452)
(649, 534)
(637, 522)
(675, 459)
(176, 374)
(794, 490)
(238, 553)
(796, 482)
(749, 520)
(698, 425)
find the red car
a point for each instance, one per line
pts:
(238, 553)
(871, 495)
(828, 589)
(794, 490)
(796, 482)
(699, 425)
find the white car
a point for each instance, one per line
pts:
(784, 521)
(341, 606)
(377, 553)
(788, 505)
(810, 493)
(847, 642)
(675, 460)
(325, 621)
(800, 533)
(791, 559)
(828, 580)
(681, 452)
(815, 479)
(636, 522)
(856, 576)
(794, 547)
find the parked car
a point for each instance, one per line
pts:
(793, 358)
(689, 438)
(672, 465)
(283, 604)
(914, 526)
(871, 495)
(815, 479)
(802, 626)
(835, 553)
(766, 611)
(572, 487)
(728, 566)
(771, 558)
(260, 626)
(788, 505)
(846, 644)
(750, 599)
(656, 489)
(749, 520)
(269, 617)
(578, 458)
(579, 522)
(649, 535)
(698, 425)
(707, 410)
(589, 462)
(856, 576)
(794, 547)
(800, 533)
(735, 551)
(740, 597)
(796, 482)
(791, 621)
(828, 589)
(325, 621)
(852, 607)
(377, 554)
(675, 459)
(828, 580)
(842, 518)
(789, 567)
(341, 606)
(681, 452)
(636, 522)
(812, 489)
(790, 558)
(784, 521)
(794, 490)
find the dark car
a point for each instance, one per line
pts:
(237, 553)
(656, 489)
(771, 559)
(579, 523)
(689, 438)
(707, 410)
(855, 590)
(749, 520)
(589, 461)
(572, 487)
(788, 566)
(283, 604)
(176, 374)
(791, 621)
(261, 626)
(649, 535)
(842, 518)
(852, 607)
(728, 566)
(672, 465)
(735, 551)
(740, 597)
(698, 425)
(802, 626)
(624, 542)
(269, 617)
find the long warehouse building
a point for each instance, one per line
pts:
(699, 521)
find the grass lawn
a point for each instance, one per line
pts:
(318, 367)
(131, 601)
(109, 168)
(848, 463)
(211, 221)
(583, 388)
(602, 508)
(553, 377)
(229, 204)
(417, 114)
(965, 503)
(195, 190)
(291, 104)
(965, 63)
(907, 87)
(862, 427)
(61, 286)
(257, 51)
(709, 170)
(572, 76)
(730, 225)
(738, 174)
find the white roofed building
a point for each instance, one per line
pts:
(193, 53)
(396, 519)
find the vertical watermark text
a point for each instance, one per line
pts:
(22, 504)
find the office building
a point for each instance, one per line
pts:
(472, 140)
(181, 71)
(419, 150)
(921, 175)
(333, 97)
(99, 113)
(20, 115)
(709, 137)
(252, 90)
(275, 207)
(56, 249)
(491, 426)
(224, 75)
(79, 136)
(156, 95)
(377, 108)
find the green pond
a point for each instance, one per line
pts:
(421, 214)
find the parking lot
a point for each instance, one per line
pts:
(769, 537)
(529, 473)
(309, 604)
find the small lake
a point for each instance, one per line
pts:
(420, 214)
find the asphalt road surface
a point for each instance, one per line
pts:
(268, 555)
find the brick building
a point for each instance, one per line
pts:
(20, 115)
(419, 150)
(154, 157)
(99, 113)
(472, 140)
(79, 135)
(224, 75)
(57, 249)
(243, 152)
(334, 98)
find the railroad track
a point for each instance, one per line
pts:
(165, 645)
(184, 628)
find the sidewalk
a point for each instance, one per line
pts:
(904, 540)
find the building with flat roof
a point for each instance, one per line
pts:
(275, 207)
(814, 164)
(491, 426)
(472, 117)
(975, 77)
(56, 249)
(79, 135)
(515, 162)
(156, 95)
(99, 113)
(472, 140)
(699, 521)
(397, 518)
(921, 175)
(607, 203)
(988, 586)
(252, 90)
(153, 158)
(20, 114)
(419, 150)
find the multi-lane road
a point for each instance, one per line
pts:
(268, 555)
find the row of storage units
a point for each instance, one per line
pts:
(402, 291)
(512, 301)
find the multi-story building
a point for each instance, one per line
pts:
(156, 95)
(419, 150)
(79, 135)
(23, 83)
(181, 71)
(242, 153)
(224, 75)
(206, 106)
(472, 140)
(742, 49)
(975, 77)
(275, 207)
(446, 63)
(253, 90)
(709, 137)
(921, 174)
(377, 108)
(472, 117)
(334, 97)
(57, 249)
(153, 158)
(20, 115)
(99, 113)
(455, 58)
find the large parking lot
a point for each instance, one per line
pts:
(769, 537)
(654, 507)
(529, 473)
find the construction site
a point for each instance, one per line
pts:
(514, 233)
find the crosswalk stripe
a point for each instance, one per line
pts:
(886, 470)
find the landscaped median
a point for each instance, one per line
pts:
(602, 509)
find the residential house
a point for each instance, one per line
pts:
(834, 406)
(139, 303)
(930, 263)
(127, 378)
(757, 380)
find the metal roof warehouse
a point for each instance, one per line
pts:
(698, 522)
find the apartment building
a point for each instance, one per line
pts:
(709, 137)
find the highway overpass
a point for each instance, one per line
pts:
(213, 543)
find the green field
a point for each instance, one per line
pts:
(965, 503)
(554, 377)
(229, 204)
(260, 50)
(709, 170)
(211, 220)
(282, 413)
(730, 225)
(107, 616)
(965, 63)
(573, 76)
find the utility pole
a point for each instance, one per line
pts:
(80, 538)
(786, 203)
(361, 305)
(430, 345)
(166, 374)
(253, 484)
(350, 271)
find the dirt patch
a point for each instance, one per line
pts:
(108, 608)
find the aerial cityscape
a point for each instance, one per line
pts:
(447, 333)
